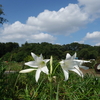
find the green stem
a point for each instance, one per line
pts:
(50, 91)
(16, 81)
(57, 95)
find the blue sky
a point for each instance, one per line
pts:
(53, 21)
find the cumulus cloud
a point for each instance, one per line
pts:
(65, 21)
(98, 44)
(16, 28)
(93, 37)
(18, 32)
(41, 37)
(91, 7)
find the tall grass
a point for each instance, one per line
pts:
(15, 86)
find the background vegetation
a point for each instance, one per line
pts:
(13, 52)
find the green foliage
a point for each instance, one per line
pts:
(7, 57)
(12, 52)
(93, 54)
(2, 80)
(84, 53)
(2, 20)
(28, 58)
(19, 56)
(8, 47)
(15, 86)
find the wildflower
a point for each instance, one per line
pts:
(39, 64)
(79, 62)
(70, 65)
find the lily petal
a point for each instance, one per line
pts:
(61, 62)
(45, 69)
(74, 56)
(41, 56)
(84, 67)
(82, 61)
(31, 64)
(68, 56)
(34, 56)
(79, 62)
(46, 60)
(26, 70)
(86, 61)
(37, 75)
(66, 74)
(77, 71)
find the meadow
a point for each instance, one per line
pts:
(18, 86)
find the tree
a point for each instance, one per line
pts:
(2, 20)
(84, 54)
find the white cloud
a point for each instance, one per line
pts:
(65, 21)
(93, 37)
(98, 44)
(18, 27)
(91, 7)
(18, 32)
(43, 36)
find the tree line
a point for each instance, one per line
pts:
(13, 52)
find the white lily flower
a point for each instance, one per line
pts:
(79, 62)
(39, 64)
(70, 65)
